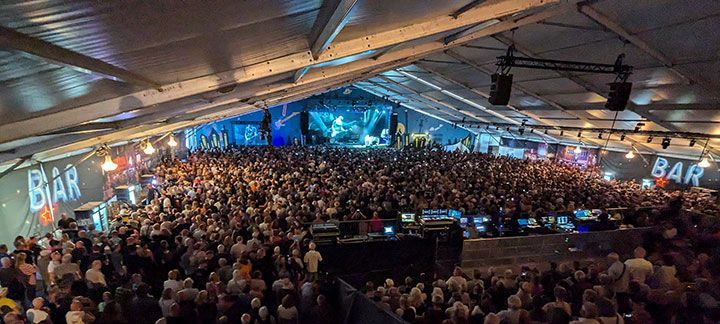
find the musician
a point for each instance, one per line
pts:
(337, 127)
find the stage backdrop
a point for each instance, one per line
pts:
(438, 131)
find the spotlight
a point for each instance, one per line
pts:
(562, 132)
(692, 142)
(108, 165)
(507, 129)
(532, 131)
(638, 126)
(487, 127)
(622, 137)
(149, 149)
(704, 163)
(665, 143)
(599, 135)
(580, 134)
(649, 139)
(630, 154)
(546, 131)
(521, 130)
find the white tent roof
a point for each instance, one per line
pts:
(82, 73)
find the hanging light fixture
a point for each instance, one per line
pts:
(149, 149)
(630, 154)
(171, 141)
(704, 163)
(108, 165)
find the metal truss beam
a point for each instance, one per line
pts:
(11, 38)
(330, 21)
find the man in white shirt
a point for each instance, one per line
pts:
(620, 277)
(638, 267)
(312, 259)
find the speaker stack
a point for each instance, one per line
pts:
(618, 96)
(500, 89)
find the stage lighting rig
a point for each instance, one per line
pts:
(692, 142)
(622, 137)
(649, 139)
(619, 89)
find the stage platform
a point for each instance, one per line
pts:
(539, 250)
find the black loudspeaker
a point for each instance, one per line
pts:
(304, 122)
(393, 123)
(618, 96)
(500, 89)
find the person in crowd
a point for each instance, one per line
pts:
(65, 221)
(638, 267)
(38, 313)
(312, 259)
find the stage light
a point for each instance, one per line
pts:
(638, 126)
(622, 137)
(704, 163)
(577, 150)
(172, 142)
(562, 132)
(149, 149)
(692, 142)
(108, 165)
(649, 139)
(665, 143)
(599, 135)
(521, 130)
(580, 134)
(630, 154)
(546, 131)
(508, 129)
(487, 127)
(532, 131)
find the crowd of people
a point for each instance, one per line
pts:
(670, 282)
(223, 237)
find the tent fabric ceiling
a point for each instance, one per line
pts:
(672, 47)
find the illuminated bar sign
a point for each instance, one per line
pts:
(662, 171)
(60, 187)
